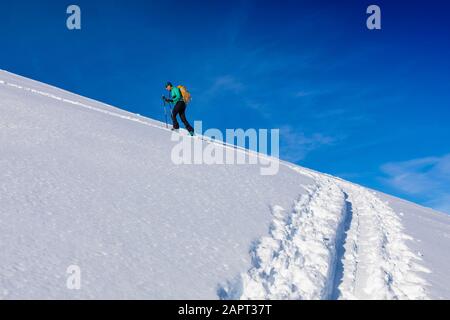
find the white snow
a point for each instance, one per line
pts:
(83, 183)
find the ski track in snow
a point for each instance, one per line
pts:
(379, 264)
(296, 260)
(339, 241)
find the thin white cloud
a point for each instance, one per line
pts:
(427, 177)
(301, 94)
(225, 83)
(261, 108)
(310, 93)
(295, 145)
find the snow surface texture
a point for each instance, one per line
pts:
(88, 184)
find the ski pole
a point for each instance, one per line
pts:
(171, 107)
(165, 111)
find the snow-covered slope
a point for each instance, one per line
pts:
(83, 183)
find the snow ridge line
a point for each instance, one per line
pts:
(379, 264)
(298, 259)
(77, 103)
(224, 144)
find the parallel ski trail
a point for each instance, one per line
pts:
(298, 259)
(339, 242)
(378, 264)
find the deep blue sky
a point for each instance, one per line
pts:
(370, 106)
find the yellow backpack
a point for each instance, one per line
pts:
(185, 93)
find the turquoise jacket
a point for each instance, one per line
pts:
(175, 94)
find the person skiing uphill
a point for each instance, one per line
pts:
(179, 108)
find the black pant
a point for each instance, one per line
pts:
(180, 108)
